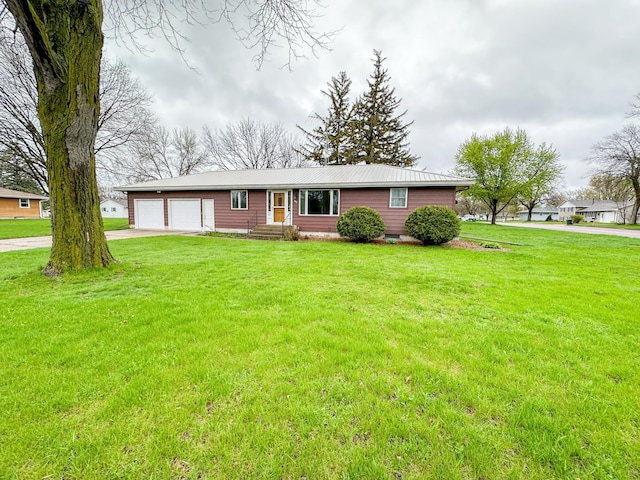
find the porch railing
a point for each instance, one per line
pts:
(284, 222)
(252, 222)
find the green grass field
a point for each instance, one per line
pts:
(626, 226)
(216, 358)
(42, 226)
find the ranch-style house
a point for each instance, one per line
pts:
(310, 198)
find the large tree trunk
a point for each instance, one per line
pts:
(65, 40)
(636, 203)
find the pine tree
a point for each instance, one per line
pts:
(380, 136)
(330, 142)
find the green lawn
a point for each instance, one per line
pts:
(589, 224)
(216, 358)
(40, 227)
(609, 225)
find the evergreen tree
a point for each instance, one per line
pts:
(379, 135)
(330, 142)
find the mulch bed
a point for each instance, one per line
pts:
(452, 244)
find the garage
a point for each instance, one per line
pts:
(184, 214)
(149, 214)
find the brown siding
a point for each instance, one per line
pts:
(224, 216)
(378, 199)
(10, 207)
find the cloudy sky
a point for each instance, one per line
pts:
(564, 70)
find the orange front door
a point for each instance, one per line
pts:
(278, 207)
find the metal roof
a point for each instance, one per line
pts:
(335, 176)
(599, 206)
(7, 193)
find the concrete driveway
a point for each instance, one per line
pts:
(11, 244)
(618, 232)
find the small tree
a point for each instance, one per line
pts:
(433, 225)
(498, 164)
(542, 174)
(361, 224)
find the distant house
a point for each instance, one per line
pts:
(113, 208)
(603, 211)
(624, 213)
(16, 204)
(310, 198)
(540, 214)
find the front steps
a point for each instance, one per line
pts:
(267, 232)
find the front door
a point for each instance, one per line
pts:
(208, 221)
(279, 207)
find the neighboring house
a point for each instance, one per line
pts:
(623, 214)
(16, 204)
(310, 198)
(539, 214)
(602, 211)
(112, 208)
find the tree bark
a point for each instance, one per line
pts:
(636, 204)
(65, 40)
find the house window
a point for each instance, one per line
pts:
(398, 198)
(239, 199)
(104, 209)
(24, 203)
(319, 202)
(113, 209)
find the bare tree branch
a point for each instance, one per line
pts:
(248, 144)
(161, 154)
(259, 24)
(618, 156)
(124, 114)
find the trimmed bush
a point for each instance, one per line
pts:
(577, 218)
(432, 225)
(361, 224)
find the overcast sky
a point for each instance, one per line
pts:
(564, 70)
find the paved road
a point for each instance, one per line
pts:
(11, 244)
(618, 232)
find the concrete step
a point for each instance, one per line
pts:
(264, 237)
(267, 232)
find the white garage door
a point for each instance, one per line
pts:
(184, 214)
(149, 214)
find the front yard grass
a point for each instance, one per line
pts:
(222, 358)
(588, 224)
(39, 227)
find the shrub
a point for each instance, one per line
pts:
(433, 224)
(292, 234)
(361, 224)
(490, 245)
(577, 218)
